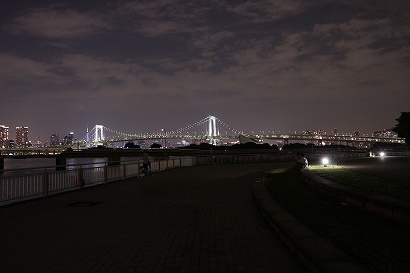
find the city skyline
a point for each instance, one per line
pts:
(139, 66)
(53, 138)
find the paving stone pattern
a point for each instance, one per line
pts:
(194, 219)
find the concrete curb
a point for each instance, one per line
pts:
(382, 205)
(315, 253)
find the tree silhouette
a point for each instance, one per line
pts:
(130, 144)
(402, 128)
(155, 146)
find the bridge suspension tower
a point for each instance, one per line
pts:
(213, 130)
(96, 135)
(99, 133)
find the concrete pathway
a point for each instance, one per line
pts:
(194, 219)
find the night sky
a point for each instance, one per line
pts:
(259, 65)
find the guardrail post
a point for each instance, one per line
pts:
(105, 173)
(45, 183)
(81, 180)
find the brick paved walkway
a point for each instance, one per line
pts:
(196, 219)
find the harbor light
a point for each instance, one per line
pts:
(325, 161)
(382, 154)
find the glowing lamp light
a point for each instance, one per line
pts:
(325, 161)
(382, 154)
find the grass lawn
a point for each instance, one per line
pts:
(369, 183)
(380, 244)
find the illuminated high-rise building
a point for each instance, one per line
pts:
(4, 135)
(39, 141)
(9, 143)
(54, 140)
(22, 137)
(68, 140)
(320, 132)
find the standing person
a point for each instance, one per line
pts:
(146, 164)
(302, 162)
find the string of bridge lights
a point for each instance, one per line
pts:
(186, 128)
(226, 125)
(179, 131)
(202, 122)
(118, 132)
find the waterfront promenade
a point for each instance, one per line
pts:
(193, 219)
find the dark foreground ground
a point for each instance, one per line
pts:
(196, 219)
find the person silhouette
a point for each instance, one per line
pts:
(146, 164)
(302, 162)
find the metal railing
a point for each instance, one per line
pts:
(25, 184)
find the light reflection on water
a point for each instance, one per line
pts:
(25, 166)
(75, 163)
(25, 163)
(13, 166)
(72, 163)
(20, 163)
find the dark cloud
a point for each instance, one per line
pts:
(56, 22)
(136, 66)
